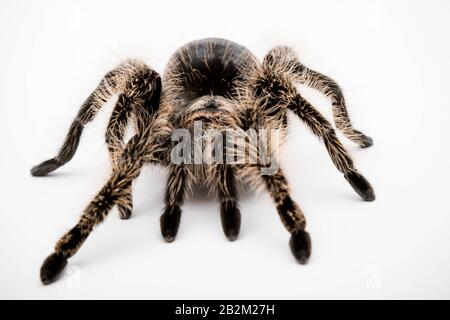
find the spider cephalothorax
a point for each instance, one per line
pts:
(221, 86)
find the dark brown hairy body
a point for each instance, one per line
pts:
(222, 85)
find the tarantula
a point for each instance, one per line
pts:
(223, 85)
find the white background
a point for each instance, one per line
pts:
(390, 57)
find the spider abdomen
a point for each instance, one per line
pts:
(208, 67)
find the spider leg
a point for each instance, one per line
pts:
(339, 155)
(115, 189)
(175, 193)
(228, 197)
(324, 84)
(274, 83)
(141, 105)
(114, 137)
(120, 80)
(290, 214)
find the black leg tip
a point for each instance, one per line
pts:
(170, 222)
(300, 244)
(52, 267)
(363, 140)
(169, 238)
(361, 186)
(45, 168)
(232, 235)
(125, 213)
(231, 221)
(366, 141)
(370, 196)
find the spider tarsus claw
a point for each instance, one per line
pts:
(232, 234)
(169, 238)
(231, 222)
(45, 168)
(361, 186)
(170, 222)
(300, 245)
(124, 213)
(125, 216)
(52, 267)
(366, 142)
